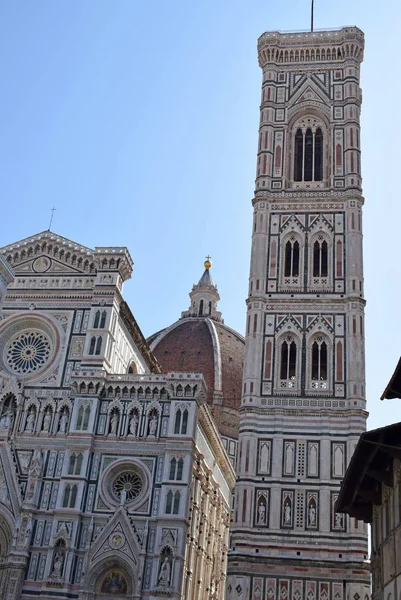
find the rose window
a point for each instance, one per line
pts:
(130, 482)
(28, 352)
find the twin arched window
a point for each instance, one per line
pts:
(176, 468)
(308, 154)
(75, 464)
(100, 319)
(173, 503)
(70, 496)
(83, 418)
(181, 421)
(95, 345)
(318, 362)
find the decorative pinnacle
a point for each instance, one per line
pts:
(208, 263)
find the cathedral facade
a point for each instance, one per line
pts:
(303, 405)
(114, 480)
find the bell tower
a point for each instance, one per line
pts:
(303, 406)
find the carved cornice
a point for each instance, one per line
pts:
(332, 195)
(210, 429)
(328, 413)
(6, 271)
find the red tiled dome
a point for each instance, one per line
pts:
(206, 346)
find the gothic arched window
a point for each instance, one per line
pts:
(71, 466)
(78, 465)
(320, 258)
(80, 417)
(73, 497)
(173, 465)
(98, 345)
(176, 505)
(169, 502)
(319, 360)
(184, 422)
(103, 319)
(291, 262)
(66, 497)
(97, 319)
(299, 154)
(180, 467)
(85, 423)
(92, 345)
(288, 359)
(308, 154)
(177, 424)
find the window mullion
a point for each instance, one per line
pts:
(303, 155)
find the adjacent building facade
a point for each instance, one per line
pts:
(371, 491)
(303, 405)
(114, 481)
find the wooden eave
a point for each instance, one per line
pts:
(393, 389)
(370, 468)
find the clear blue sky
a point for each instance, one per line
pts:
(138, 122)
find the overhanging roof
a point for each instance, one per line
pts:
(371, 466)
(393, 389)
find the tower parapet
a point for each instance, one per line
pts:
(336, 45)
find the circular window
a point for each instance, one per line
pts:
(125, 482)
(30, 344)
(128, 482)
(28, 352)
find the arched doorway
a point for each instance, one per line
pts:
(111, 580)
(113, 583)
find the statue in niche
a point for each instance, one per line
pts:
(46, 421)
(165, 572)
(262, 511)
(312, 514)
(63, 422)
(264, 457)
(153, 424)
(30, 421)
(289, 458)
(57, 565)
(114, 423)
(133, 424)
(338, 521)
(287, 512)
(7, 419)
